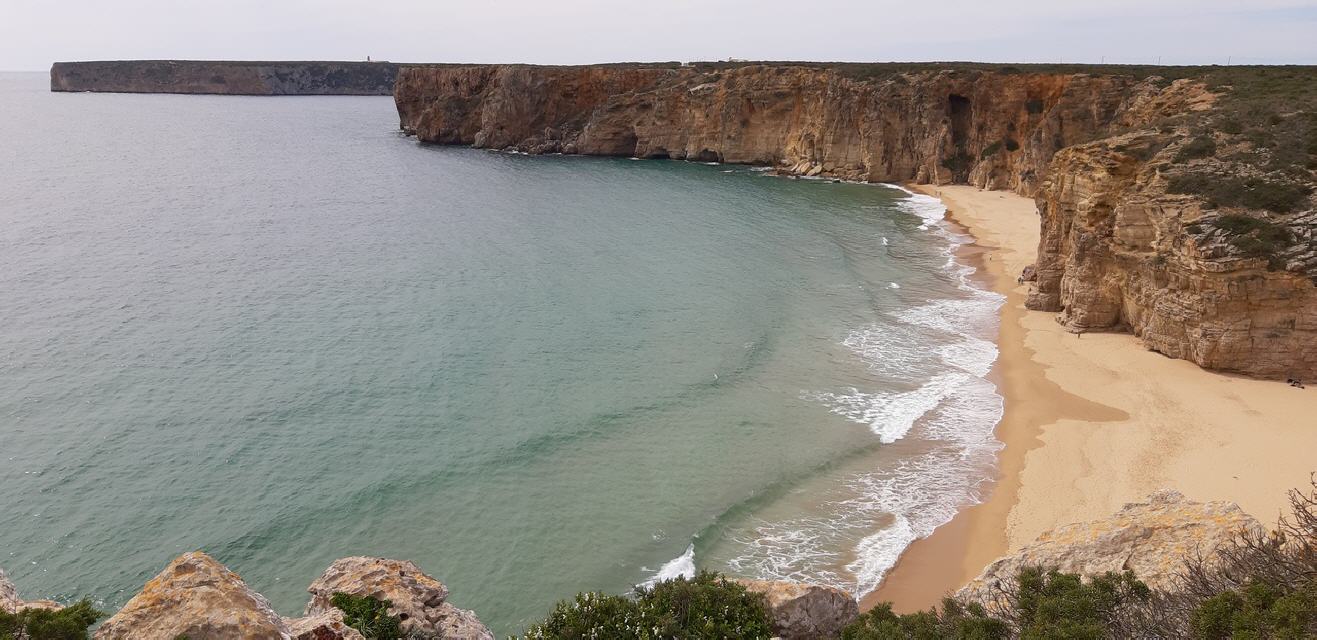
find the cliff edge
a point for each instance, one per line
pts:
(1175, 202)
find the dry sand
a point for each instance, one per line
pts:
(1096, 421)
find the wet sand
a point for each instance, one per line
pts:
(1093, 422)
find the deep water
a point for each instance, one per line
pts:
(278, 331)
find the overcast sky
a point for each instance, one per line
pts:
(34, 33)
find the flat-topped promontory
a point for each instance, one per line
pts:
(226, 77)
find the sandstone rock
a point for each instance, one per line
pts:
(326, 625)
(197, 597)
(416, 597)
(1150, 538)
(933, 126)
(1116, 254)
(803, 611)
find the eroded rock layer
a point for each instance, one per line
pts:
(1226, 282)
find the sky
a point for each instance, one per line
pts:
(35, 33)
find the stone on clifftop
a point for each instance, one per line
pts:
(1151, 538)
(416, 598)
(804, 611)
(326, 625)
(197, 597)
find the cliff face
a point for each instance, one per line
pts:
(236, 78)
(996, 131)
(1124, 245)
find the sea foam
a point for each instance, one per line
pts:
(932, 360)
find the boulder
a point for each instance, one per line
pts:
(1150, 538)
(197, 597)
(416, 598)
(805, 611)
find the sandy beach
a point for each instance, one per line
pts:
(1094, 421)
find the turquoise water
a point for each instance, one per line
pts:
(278, 331)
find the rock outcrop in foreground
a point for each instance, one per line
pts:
(1150, 538)
(229, 78)
(1176, 209)
(801, 611)
(197, 597)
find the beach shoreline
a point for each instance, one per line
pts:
(1094, 421)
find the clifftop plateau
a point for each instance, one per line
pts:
(1175, 202)
(225, 77)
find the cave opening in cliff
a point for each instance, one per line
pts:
(708, 155)
(958, 161)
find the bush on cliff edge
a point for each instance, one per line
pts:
(69, 623)
(705, 606)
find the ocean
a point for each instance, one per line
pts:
(274, 329)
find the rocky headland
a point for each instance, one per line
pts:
(226, 77)
(1175, 202)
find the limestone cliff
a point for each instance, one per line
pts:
(225, 77)
(1137, 233)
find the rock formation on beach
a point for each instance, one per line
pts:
(1151, 538)
(1178, 209)
(226, 77)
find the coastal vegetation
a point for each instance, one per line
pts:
(69, 623)
(368, 615)
(707, 605)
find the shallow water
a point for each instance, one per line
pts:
(276, 330)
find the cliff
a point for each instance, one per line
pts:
(221, 77)
(1175, 203)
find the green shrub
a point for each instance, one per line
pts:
(706, 606)
(1061, 605)
(1254, 237)
(594, 615)
(1231, 125)
(368, 615)
(990, 150)
(953, 621)
(1199, 147)
(1258, 610)
(69, 623)
(1253, 193)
